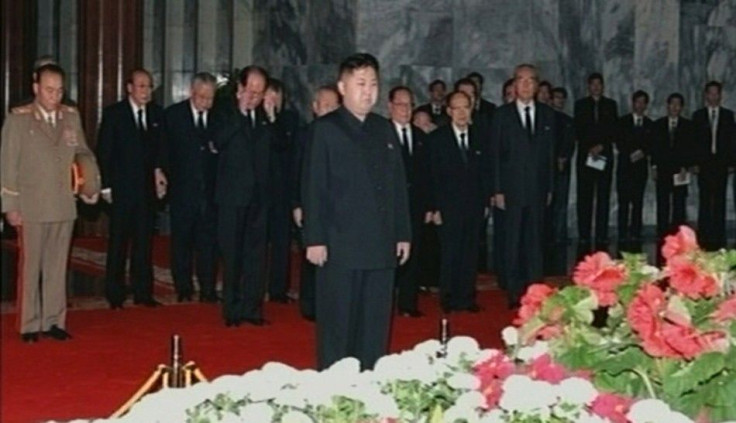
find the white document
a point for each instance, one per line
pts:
(597, 163)
(680, 179)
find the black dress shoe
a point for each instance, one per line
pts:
(209, 298)
(148, 302)
(411, 313)
(116, 306)
(256, 321)
(232, 323)
(57, 333)
(281, 299)
(29, 338)
(184, 297)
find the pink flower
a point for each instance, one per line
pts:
(491, 373)
(689, 279)
(726, 310)
(543, 368)
(611, 406)
(643, 316)
(531, 302)
(601, 274)
(683, 242)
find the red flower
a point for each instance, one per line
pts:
(532, 302)
(683, 339)
(601, 274)
(689, 279)
(643, 316)
(491, 373)
(726, 310)
(543, 368)
(683, 242)
(611, 406)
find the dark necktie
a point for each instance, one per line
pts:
(248, 119)
(595, 111)
(528, 121)
(405, 150)
(201, 128)
(673, 127)
(713, 131)
(464, 146)
(141, 125)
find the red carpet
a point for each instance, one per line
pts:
(114, 351)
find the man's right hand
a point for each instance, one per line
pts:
(596, 150)
(317, 255)
(500, 201)
(14, 218)
(296, 214)
(437, 218)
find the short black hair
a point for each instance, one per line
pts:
(546, 84)
(508, 83)
(476, 75)
(358, 61)
(714, 84)
(466, 81)
(137, 71)
(275, 85)
(204, 77)
(394, 90)
(247, 71)
(595, 75)
(639, 94)
(450, 96)
(559, 90)
(437, 82)
(48, 68)
(676, 96)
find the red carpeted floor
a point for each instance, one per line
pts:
(113, 352)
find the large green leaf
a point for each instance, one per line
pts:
(630, 358)
(692, 375)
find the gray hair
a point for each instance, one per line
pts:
(204, 78)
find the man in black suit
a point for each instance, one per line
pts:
(634, 142)
(544, 94)
(595, 129)
(415, 155)
(326, 100)
(481, 105)
(564, 148)
(436, 106)
(508, 91)
(192, 165)
(459, 198)
(356, 219)
(522, 154)
(715, 132)
(672, 154)
(243, 137)
(131, 158)
(285, 124)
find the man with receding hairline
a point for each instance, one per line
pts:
(356, 219)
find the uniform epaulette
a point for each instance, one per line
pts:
(28, 108)
(69, 109)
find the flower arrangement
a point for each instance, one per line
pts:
(645, 332)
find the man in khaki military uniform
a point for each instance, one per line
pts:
(39, 144)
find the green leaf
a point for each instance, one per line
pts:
(631, 358)
(437, 415)
(693, 374)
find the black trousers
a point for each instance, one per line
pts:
(671, 205)
(499, 227)
(560, 201)
(131, 230)
(429, 256)
(279, 238)
(712, 181)
(630, 183)
(242, 237)
(523, 248)
(407, 276)
(194, 239)
(459, 240)
(353, 314)
(593, 185)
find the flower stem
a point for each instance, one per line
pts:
(647, 382)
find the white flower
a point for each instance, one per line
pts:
(510, 336)
(296, 417)
(463, 381)
(471, 400)
(651, 271)
(291, 398)
(494, 416)
(462, 345)
(522, 394)
(650, 411)
(428, 348)
(457, 412)
(258, 412)
(527, 354)
(577, 391)
(586, 417)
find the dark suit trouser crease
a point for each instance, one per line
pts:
(498, 245)
(459, 251)
(630, 184)
(593, 185)
(194, 239)
(671, 203)
(712, 181)
(279, 236)
(523, 249)
(560, 199)
(407, 276)
(131, 227)
(242, 233)
(353, 314)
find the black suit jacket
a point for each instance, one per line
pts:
(417, 172)
(589, 133)
(303, 135)
(438, 119)
(670, 156)
(192, 156)
(126, 156)
(460, 184)
(285, 130)
(725, 138)
(565, 145)
(523, 166)
(243, 167)
(354, 191)
(631, 139)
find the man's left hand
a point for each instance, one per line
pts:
(161, 183)
(403, 249)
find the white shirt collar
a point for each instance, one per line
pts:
(195, 114)
(712, 109)
(136, 107)
(46, 115)
(459, 131)
(521, 107)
